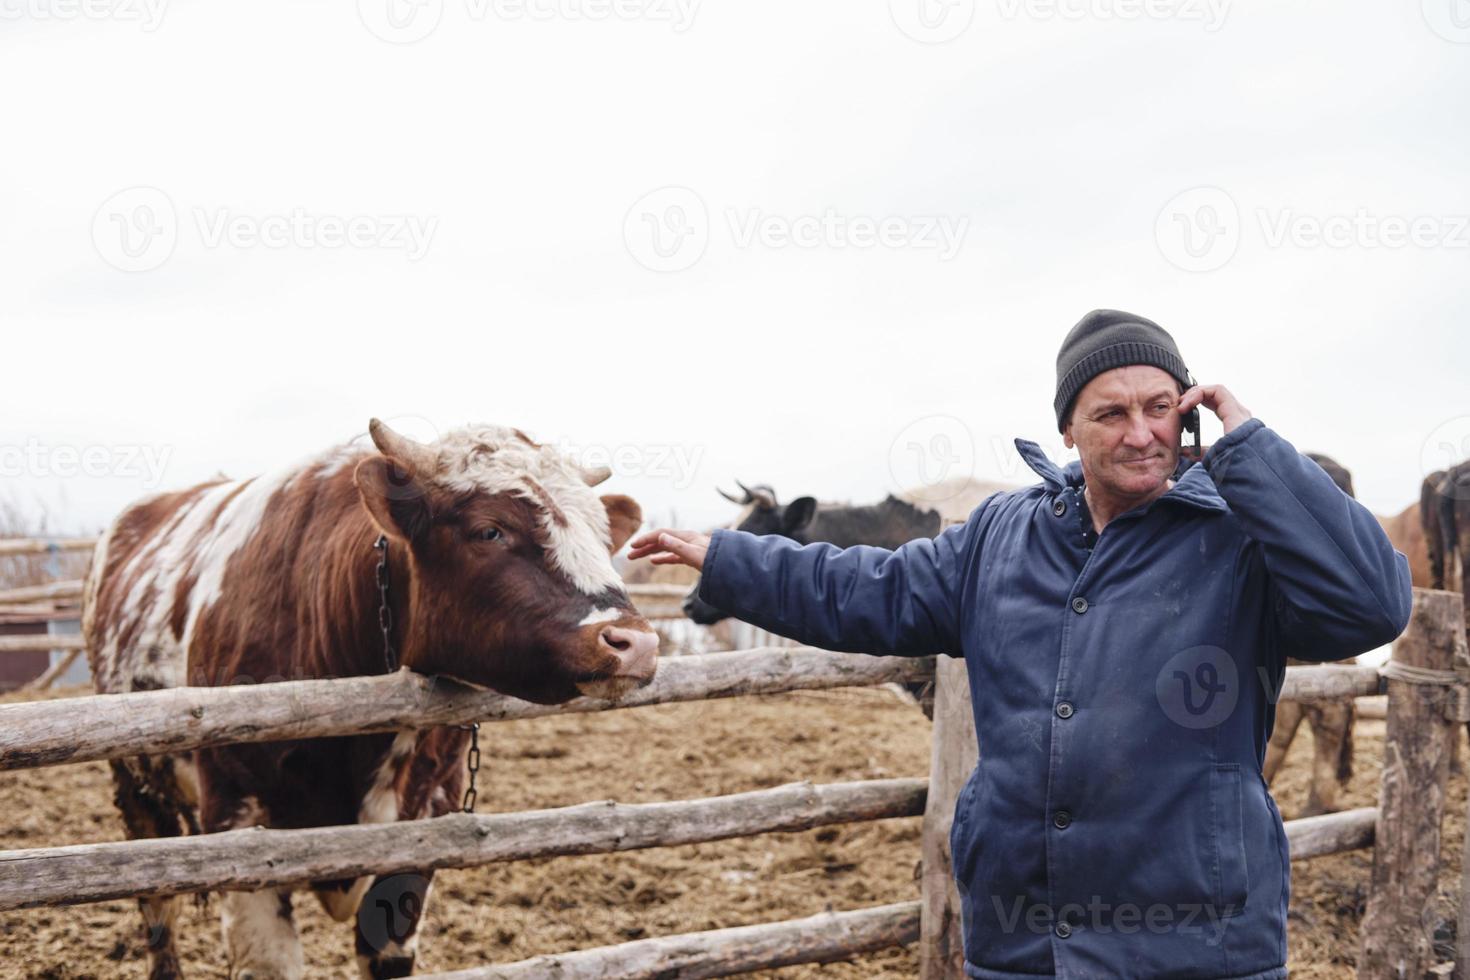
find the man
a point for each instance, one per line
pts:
(1125, 626)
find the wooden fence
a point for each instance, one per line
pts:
(1427, 683)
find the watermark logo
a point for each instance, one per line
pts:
(388, 916)
(1210, 13)
(932, 21)
(33, 458)
(667, 230)
(931, 457)
(147, 14)
(400, 21)
(136, 230)
(939, 233)
(679, 464)
(1199, 230)
(408, 21)
(1450, 19)
(1199, 687)
(1362, 229)
(1447, 446)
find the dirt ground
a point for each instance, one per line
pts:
(510, 912)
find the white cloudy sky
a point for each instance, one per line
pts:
(1063, 145)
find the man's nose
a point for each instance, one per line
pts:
(1139, 435)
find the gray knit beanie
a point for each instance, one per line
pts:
(1107, 339)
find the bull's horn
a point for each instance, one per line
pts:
(418, 457)
(596, 476)
(732, 498)
(760, 495)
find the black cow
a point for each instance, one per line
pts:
(887, 524)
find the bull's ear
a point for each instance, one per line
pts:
(397, 501)
(798, 515)
(624, 517)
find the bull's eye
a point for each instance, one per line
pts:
(487, 534)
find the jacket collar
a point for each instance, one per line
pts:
(1192, 483)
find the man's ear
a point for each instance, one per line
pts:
(397, 501)
(624, 517)
(798, 514)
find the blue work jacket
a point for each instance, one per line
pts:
(1123, 684)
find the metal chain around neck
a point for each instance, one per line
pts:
(390, 659)
(385, 608)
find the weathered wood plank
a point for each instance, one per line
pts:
(42, 546)
(1331, 833)
(32, 642)
(258, 858)
(1418, 738)
(952, 758)
(114, 726)
(825, 938)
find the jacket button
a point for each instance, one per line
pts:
(1064, 929)
(1079, 605)
(1059, 508)
(1062, 820)
(1064, 709)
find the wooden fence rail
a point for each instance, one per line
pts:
(823, 938)
(259, 858)
(43, 546)
(66, 589)
(113, 726)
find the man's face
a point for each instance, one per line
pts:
(1126, 428)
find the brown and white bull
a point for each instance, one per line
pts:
(501, 576)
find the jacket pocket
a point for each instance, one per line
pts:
(1232, 880)
(962, 831)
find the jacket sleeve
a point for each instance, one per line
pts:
(1336, 586)
(857, 600)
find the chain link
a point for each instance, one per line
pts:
(385, 609)
(472, 763)
(390, 658)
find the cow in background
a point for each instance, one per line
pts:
(1444, 504)
(1331, 721)
(893, 522)
(499, 575)
(887, 524)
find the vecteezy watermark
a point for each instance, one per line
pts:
(35, 458)
(932, 21)
(669, 230)
(1210, 13)
(1450, 19)
(931, 458)
(1104, 917)
(830, 229)
(1199, 687)
(388, 915)
(407, 21)
(1201, 229)
(147, 14)
(410, 233)
(1447, 446)
(137, 230)
(679, 464)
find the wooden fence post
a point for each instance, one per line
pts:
(1422, 705)
(952, 758)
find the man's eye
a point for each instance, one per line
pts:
(487, 534)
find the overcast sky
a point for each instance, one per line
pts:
(830, 246)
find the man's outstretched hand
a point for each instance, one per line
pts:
(671, 547)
